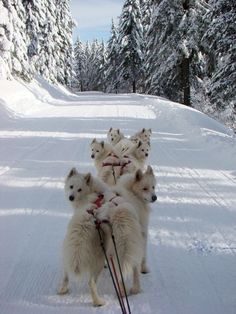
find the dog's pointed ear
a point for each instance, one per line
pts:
(150, 131)
(138, 175)
(149, 144)
(139, 144)
(72, 173)
(118, 131)
(88, 178)
(149, 170)
(102, 144)
(94, 140)
(110, 129)
(143, 130)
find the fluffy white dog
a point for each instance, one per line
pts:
(82, 252)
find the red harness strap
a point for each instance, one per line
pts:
(112, 155)
(108, 162)
(99, 200)
(124, 164)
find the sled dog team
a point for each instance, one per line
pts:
(119, 199)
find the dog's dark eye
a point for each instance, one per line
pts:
(71, 187)
(142, 150)
(97, 151)
(79, 190)
(145, 189)
(153, 187)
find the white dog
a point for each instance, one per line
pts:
(143, 135)
(114, 136)
(82, 250)
(106, 161)
(138, 154)
(125, 144)
(139, 190)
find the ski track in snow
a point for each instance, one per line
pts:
(192, 234)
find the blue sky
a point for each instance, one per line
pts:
(93, 18)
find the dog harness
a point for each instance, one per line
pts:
(114, 161)
(98, 201)
(111, 160)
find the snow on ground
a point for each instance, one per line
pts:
(44, 131)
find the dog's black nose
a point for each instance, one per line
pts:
(92, 156)
(154, 198)
(71, 198)
(146, 155)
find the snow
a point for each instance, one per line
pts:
(46, 130)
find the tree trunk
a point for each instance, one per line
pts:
(186, 81)
(134, 86)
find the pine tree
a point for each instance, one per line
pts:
(90, 65)
(220, 49)
(65, 25)
(146, 13)
(102, 65)
(14, 39)
(37, 39)
(112, 61)
(131, 44)
(173, 48)
(5, 41)
(79, 64)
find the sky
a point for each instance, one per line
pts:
(93, 18)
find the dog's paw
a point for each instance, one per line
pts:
(99, 302)
(63, 290)
(145, 269)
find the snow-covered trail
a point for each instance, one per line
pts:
(192, 235)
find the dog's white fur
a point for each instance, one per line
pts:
(99, 152)
(139, 190)
(138, 154)
(82, 250)
(124, 145)
(114, 136)
(143, 135)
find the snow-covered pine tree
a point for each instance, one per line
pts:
(13, 39)
(5, 41)
(112, 61)
(34, 11)
(64, 42)
(85, 77)
(79, 64)
(146, 12)
(173, 40)
(45, 60)
(102, 63)
(131, 44)
(146, 7)
(220, 49)
(91, 65)
(36, 37)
